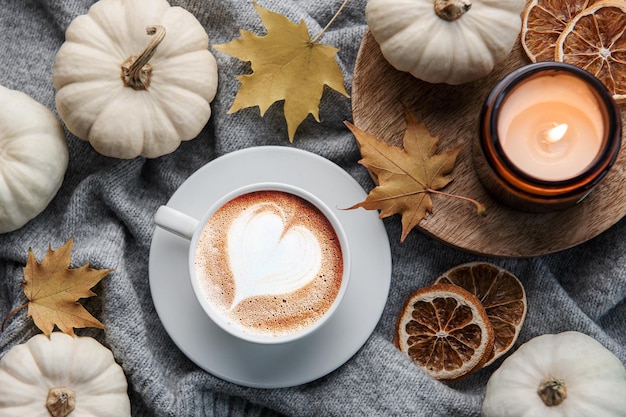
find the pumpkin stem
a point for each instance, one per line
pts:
(552, 391)
(136, 71)
(451, 9)
(60, 402)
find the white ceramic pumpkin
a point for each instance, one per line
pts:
(135, 77)
(59, 375)
(568, 374)
(449, 41)
(33, 158)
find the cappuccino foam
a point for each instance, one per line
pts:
(270, 262)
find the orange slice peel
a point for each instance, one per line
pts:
(542, 23)
(590, 34)
(500, 293)
(595, 40)
(445, 330)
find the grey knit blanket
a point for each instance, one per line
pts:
(107, 205)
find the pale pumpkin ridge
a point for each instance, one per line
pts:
(15, 371)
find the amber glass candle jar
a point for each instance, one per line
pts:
(549, 132)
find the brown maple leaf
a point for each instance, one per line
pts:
(406, 176)
(286, 65)
(53, 291)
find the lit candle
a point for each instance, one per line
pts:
(549, 133)
(551, 127)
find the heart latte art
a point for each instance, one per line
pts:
(266, 256)
(269, 261)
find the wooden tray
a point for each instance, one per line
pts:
(379, 95)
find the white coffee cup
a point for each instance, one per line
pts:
(291, 274)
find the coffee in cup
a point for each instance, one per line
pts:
(268, 262)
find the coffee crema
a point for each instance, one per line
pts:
(270, 262)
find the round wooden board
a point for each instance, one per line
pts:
(379, 95)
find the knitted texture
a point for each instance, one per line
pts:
(107, 206)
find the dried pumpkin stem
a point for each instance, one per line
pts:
(136, 70)
(60, 402)
(451, 10)
(552, 391)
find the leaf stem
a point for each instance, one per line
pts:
(319, 35)
(480, 208)
(11, 314)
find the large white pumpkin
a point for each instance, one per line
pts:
(568, 374)
(135, 77)
(58, 375)
(33, 158)
(445, 41)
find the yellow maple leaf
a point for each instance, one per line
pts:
(406, 176)
(53, 291)
(286, 65)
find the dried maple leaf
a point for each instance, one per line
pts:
(406, 176)
(286, 65)
(53, 291)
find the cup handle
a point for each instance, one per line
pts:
(175, 222)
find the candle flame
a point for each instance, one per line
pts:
(556, 133)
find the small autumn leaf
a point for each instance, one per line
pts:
(406, 176)
(286, 65)
(53, 291)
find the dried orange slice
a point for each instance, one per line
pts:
(445, 330)
(595, 40)
(500, 293)
(542, 23)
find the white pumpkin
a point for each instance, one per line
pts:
(568, 374)
(60, 375)
(135, 77)
(449, 41)
(33, 158)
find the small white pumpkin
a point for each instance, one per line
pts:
(568, 374)
(59, 375)
(33, 158)
(130, 94)
(449, 41)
